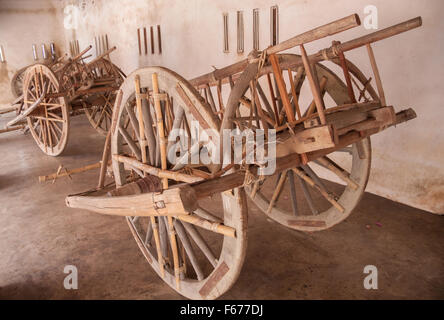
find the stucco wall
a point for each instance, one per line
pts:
(408, 161)
(23, 23)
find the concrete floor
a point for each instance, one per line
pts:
(39, 236)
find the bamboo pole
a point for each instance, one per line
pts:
(104, 162)
(208, 225)
(142, 140)
(163, 174)
(13, 128)
(69, 172)
(163, 156)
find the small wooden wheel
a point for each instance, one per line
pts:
(100, 113)
(50, 121)
(206, 262)
(17, 82)
(300, 198)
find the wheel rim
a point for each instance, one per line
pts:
(219, 270)
(282, 200)
(100, 114)
(49, 122)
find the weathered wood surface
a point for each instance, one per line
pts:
(171, 202)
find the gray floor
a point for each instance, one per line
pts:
(40, 235)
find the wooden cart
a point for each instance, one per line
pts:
(190, 220)
(51, 93)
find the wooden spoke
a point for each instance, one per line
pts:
(320, 189)
(340, 172)
(281, 180)
(188, 249)
(134, 148)
(294, 202)
(307, 196)
(200, 242)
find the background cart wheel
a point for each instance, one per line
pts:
(99, 114)
(299, 198)
(49, 123)
(17, 82)
(208, 263)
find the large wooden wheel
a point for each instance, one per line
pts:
(206, 262)
(301, 198)
(49, 123)
(99, 113)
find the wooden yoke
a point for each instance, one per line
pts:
(171, 202)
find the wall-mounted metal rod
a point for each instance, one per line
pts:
(274, 25)
(145, 40)
(159, 39)
(44, 51)
(152, 39)
(53, 51)
(256, 29)
(138, 41)
(2, 54)
(226, 47)
(106, 42)
(34, 52)
(96, 46)
(240, 32)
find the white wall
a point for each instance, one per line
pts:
(23, 23)
(408, 161)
